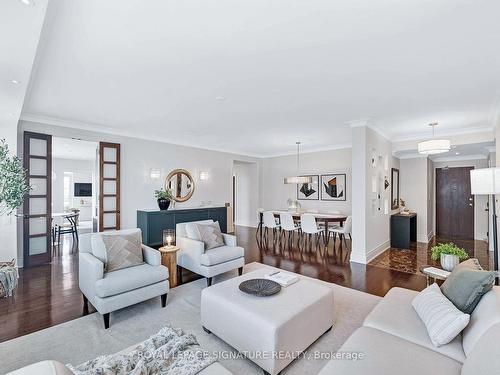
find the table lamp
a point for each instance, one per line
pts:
(486, 181)
(169, 238)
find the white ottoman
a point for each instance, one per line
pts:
(270, 331)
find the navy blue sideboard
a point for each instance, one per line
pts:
(153, 222)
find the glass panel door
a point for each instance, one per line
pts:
(37, 160)
(109, 186)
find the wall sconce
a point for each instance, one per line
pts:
(155, 174)
(204, 176)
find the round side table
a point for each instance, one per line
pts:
(169, 260)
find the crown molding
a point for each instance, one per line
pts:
(452, 132)
(491, 149)
(413, 155)
(342, 146)
(92, 127)
(445, 159)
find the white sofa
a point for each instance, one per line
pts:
(115, 290)
(209, 263)
(394, 340)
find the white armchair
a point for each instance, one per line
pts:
(209, 263)
(111, 291)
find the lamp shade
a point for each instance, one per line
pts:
(434, 146)
(298, 180)
(485, 181)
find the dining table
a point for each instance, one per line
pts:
(325, 218)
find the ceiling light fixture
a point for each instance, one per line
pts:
(298, 179)
(15, 81)
(30, 3)
(434, 146)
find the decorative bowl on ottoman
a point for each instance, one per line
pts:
(260, 287)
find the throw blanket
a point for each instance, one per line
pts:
(8, 280)
(170, 351)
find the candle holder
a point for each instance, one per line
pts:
(169, 238)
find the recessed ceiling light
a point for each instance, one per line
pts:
(457, 153)
(15, 81)
(30, 3)
(220, 97)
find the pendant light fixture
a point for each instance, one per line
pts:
(434, 146)
(298, 179)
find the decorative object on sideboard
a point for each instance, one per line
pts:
(394, 188)
(333, 187)
(181, 184)
(260, 287)
(434, 146)
(486, 181)
(306, 191)
(8, 278)
(13, 184)
(163, 198)
(448, 254)
(168, 238)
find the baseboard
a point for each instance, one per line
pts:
(20, 262)
(244, 224)
(423, 238)
(372, 254)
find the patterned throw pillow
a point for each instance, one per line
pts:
(122, 250)
(211, 235)
(443, 321)
(467, 284)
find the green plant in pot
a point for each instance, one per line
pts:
(163, 197)
(448, 254)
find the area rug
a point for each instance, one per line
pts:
(85, 338)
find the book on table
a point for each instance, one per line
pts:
(433, 271)
(283, 278)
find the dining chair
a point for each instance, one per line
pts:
(270, 223)
(309, 227)
(69, 227)
(260, 210)
(342, 231)
(288, 225)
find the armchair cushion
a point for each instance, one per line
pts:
(221, 254)
(208, 233)
(127, 279)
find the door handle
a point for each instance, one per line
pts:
(470, 199)
(470, 204)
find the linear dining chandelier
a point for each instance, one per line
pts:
(297, 179)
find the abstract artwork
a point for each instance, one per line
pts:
(309, 191)
(333, 187)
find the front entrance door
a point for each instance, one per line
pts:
(454, 203)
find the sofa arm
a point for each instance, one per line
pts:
(90, 270)
(229, 239)
(151, 256)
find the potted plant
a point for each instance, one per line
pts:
(163, 197)
(448, 254)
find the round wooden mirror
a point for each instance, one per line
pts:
(181, 184)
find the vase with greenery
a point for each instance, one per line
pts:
(163, 197)
(448, 254)
(13, 185)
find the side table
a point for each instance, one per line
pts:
(434, 273)
(169, 260)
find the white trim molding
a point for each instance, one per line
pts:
(375, 252)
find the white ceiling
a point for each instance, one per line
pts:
(75, 149)
(254, 76)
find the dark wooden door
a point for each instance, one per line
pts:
(37, 223)
(109, 186)
(454, 203)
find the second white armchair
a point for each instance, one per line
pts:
(208, 263)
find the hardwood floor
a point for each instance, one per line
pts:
(48, 295)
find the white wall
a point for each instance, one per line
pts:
(139, 156)
(8, 237)
(273, 171)
(247, 193)
(83, 172)
(480, 201)
(371, 231)
(415, 187)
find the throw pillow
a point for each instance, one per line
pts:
(211, 235)
(192, 231)
(122, 250)
(467, 284)
(442, 319)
